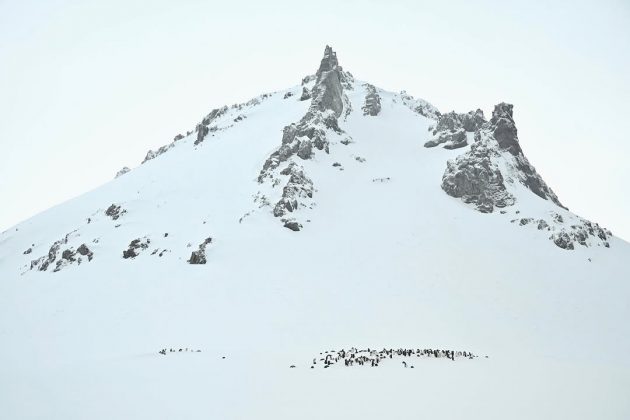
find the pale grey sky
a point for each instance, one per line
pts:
(87, 87)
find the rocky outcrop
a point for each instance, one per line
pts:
(503, 130)
(58, 258)
(494, 160)
(451, 129)
(199, 256)
(306, 94)
(450, 139)
(328, 91)
(85, 251)
(419, 106)
(476, 179)
(301, 140)
(487, 175)
(115, 211)
(214, 115)
(202, 131)
(136, 247)
(123, 171)
(576, 231)
(472, 120)
(152, 154)
(292, 225)
(372, 105)
(299, 186)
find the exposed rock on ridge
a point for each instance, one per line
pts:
(419, 106)
(568, 233)
(372, 105)
(479, 176)
(451, 129)
(309, 134)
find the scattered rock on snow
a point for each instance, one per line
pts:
(292, 225)
(115, 211)
(135, 247)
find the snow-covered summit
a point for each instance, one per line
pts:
(333, 217)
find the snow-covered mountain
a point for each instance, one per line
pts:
(287, 244)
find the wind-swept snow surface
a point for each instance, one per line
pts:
(369, 250)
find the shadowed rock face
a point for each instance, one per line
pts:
(328, 91)
(202, 131)
(476, 177)
(504, 129)
(306, 94)
(135, 247)
(329, 62)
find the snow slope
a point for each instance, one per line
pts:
(383, 258)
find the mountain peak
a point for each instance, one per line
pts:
(329, 61)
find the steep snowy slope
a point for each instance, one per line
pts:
(328, 216)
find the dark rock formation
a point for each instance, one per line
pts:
(135, 247)
(580, 232)
(298, 186)
(476, 179)
(293, 225)
(451, 129)
(62, 259)
(115, 211)
(199, 256)
(213, 115)
(288, 95)
(52, 256)
(306, 94)
(302, 139)
(28, 251)
(503, 130)
(85, 251)
(372, 105)
(563, 240)
(328, 91)
(202, 131)
(472, 120)
(475, 176)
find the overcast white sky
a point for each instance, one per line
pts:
(87, 87)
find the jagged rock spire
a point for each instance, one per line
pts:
(328, 90)
(329, 61)
(505, 131)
